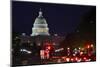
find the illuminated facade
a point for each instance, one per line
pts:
(40, 26)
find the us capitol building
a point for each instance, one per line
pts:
(40, 33)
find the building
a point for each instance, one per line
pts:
(40, 34)
(40, 26)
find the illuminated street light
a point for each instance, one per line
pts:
(92, 45)
(76, 58)
(79, 60)
(75, 49)
(49, 47)
(72, 59)
(79, 48)
(84, 58)
(68, 48)
(74, 54)
(81, 53)
(88, 46)
(67, 59)
(89, 59)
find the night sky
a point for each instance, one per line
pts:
(61, 18)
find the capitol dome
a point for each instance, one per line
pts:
(40, 26)
(40, 20)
